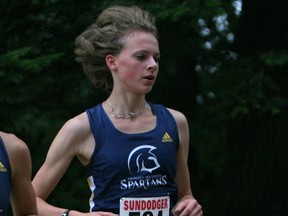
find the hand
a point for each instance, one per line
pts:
(187, 206)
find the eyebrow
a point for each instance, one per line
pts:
(146, 51)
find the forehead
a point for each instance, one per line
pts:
(140, 40)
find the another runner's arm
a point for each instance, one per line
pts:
(22, 194)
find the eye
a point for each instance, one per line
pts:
(156, 59)
(141, 57)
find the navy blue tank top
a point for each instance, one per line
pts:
(5, 177)
(131, 165)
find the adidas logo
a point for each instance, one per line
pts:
(167, 138)
(2, 168)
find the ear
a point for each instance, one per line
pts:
(111, 62)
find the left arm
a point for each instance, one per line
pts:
(187, 205)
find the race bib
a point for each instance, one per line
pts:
(148, 206)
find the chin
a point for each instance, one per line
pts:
(147, 90)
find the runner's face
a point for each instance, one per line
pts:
(137, 64)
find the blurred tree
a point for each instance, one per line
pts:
(251, 103)
(41, 84)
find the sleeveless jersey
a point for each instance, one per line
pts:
(5, 175)
(131, 165)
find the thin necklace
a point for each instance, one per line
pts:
(130, 115)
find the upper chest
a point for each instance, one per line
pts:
(140, 124)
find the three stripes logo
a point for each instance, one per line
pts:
(167, 138)
(2, 168)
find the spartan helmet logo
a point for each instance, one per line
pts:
(142, 159)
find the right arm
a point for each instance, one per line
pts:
(74, 139)
(60, 154)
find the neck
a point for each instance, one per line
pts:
(131, 114)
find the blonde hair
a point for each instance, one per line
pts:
(103, 37)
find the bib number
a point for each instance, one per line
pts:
(148, 213)
(150, 206)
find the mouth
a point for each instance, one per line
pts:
(150, 77)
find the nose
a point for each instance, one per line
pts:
(153, 63)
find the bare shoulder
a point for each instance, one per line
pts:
(179, 117)
(182, 126)
(14, 145)
(72, 138)
(77, 125)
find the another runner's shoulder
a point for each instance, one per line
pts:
(12, 142)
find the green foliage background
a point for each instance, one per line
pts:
(234, 95)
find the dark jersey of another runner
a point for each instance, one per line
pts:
(131, 165)
(5, 175)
